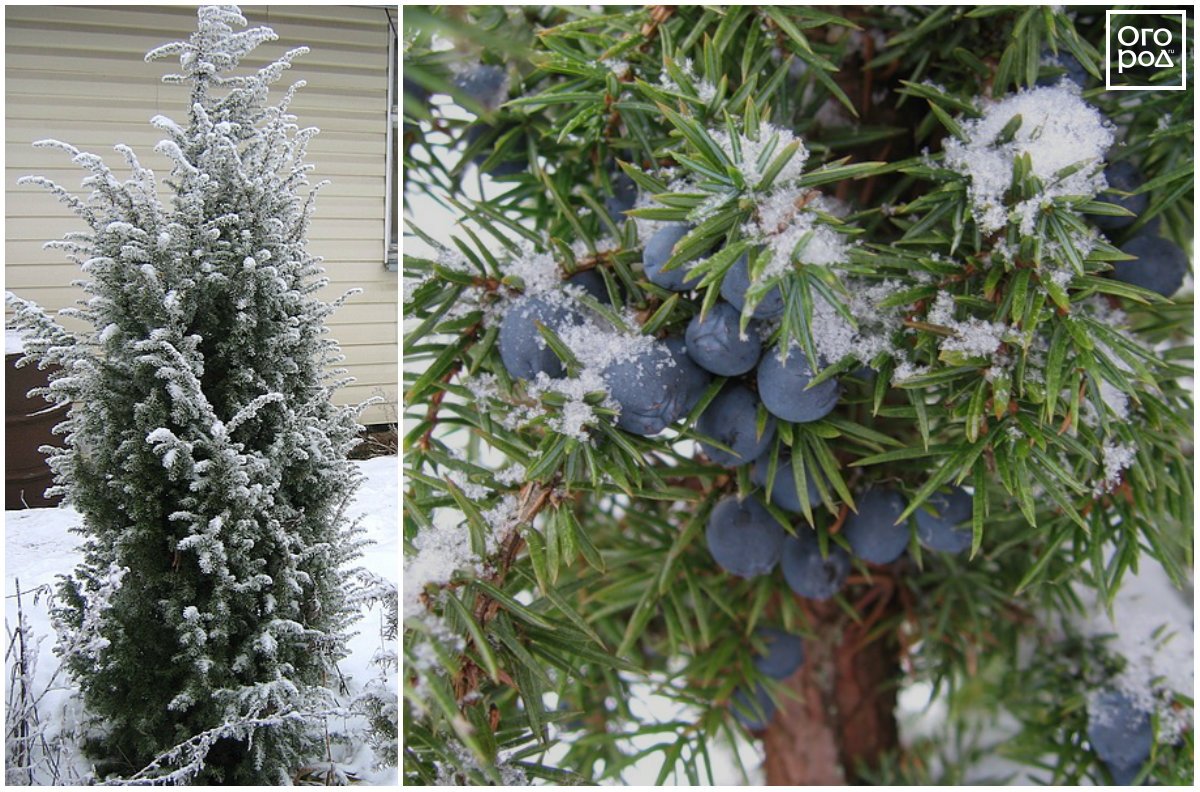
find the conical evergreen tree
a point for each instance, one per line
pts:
(202, 448)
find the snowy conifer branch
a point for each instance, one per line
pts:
(913, 202)
(187, 758)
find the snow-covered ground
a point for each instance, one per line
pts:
(39, 546)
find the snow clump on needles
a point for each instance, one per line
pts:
(786, 221)
(1065, 137)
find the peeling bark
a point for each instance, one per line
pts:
(839, 708)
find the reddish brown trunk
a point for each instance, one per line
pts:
(843, 715)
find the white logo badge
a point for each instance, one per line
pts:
(1145, 50)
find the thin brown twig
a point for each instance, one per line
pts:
(533, 498)
(868, 75)
(658, 15)
(843, 513)
(435, 405)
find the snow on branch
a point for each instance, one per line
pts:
(1064, 137)
(193, 751)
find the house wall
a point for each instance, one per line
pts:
(77, 74)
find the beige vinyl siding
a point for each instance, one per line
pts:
(78, 74)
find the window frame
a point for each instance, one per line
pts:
(391, 247)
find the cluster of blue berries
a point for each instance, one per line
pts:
(654, 387)
(716, 343)
(664, 383)
(745, 539)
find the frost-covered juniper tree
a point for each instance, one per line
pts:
(202, 448)
(785, 361)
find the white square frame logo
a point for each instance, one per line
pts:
(1108, 62)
